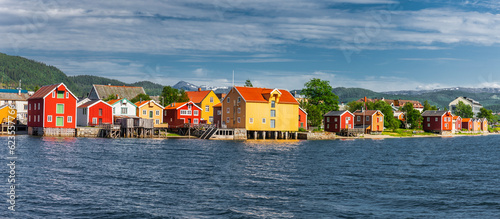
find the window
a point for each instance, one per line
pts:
(100, 112)
(211, 119)
(239, 99)
(211, 99)
(38, 106)
(94, 120)
(299, 117)
(54, 94)
(60, 94)
(273, 104)
(60, 108)
(207, 108)
(263, 120)
(59, 121)
(189, 107)
(336, 126)
(70, 119)
(327, 119)
(195, 112)
(273, 113)
(428, 119)
(67, 95)
(84, 111)
(239, 110)
(428, 125)
(195, 121)
(157, 121)
(38, 118)
(144, 112)
(302, 125)
(367, 118)
(446, 125)
(185, 112)
(29, 118)
(327, 126)
(29, 107)
(239, 120)
(227, 110)
(219, 112)
(250, 120)
(335, 119)
(227, 120)
(350, 126)
(348, 119)
(228, 99)
(151, 114)
(273, 123)
(157, 112)
(49, 118)
(436, 119)
(358, 118)
(114, 111)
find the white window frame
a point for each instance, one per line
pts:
(144, 112)
(49, 118)
(239, 120)
(367, 118)
(228, 99)
(239, 110)
(195, 113)
(327, 119)
(29, 106)
(239, 99)
(250, 120)
(195, 121)
(53, 94)
(335, 119)
(157, 112)
(273, 113)
(186, 112)
(227, 120)
(67, 94)
(70, 119)
(94, 120)
(358, 118)
(227, 111)
(207, 108)
(263, 120)
(211, 99)
(157, 121)
(272, 123)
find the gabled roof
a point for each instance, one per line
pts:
(434, 113)
(302, 110)
(14, 96)
(142, 103)
(366, 112)
(46, 90)
(180, 105)
(197, 96)
(218, 105)
(257, 94)
(104, 91)
(456, 117)
(466, 119)
(337, 113)
(113, 102)
(91, 103)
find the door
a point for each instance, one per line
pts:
(150, 114)
(59, 121)
(189, 120)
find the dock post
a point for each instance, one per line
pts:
(286, 135)
(296, 135)
(275, 135)
(264, 135)
(254, 135)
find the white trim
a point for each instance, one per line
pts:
(153, 102)
(58, 85)
(305, 111)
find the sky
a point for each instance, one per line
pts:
(382, 45)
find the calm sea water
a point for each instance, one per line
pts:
(146, 178)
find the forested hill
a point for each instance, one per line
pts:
(36, 74)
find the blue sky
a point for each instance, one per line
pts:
(380, 45)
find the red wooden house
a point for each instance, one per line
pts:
(302, 118)
(52, 111)
(335, 121)
(467, 124)
(457, 123)
(94, 112)
(437, 121)
(178, 114)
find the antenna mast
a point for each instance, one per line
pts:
(233, 78)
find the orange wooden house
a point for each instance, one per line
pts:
(373, 121)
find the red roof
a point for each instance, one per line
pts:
(111, 102)
(175, 105)
(466, 120)
(197, 96)
(217, 105)
(43, 91)
(92, 102)
(256, 94)
(366, 112)
(140, 103)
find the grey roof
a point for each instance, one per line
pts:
(335, 113)
(434, 113)
(122, 91)
(14, 96)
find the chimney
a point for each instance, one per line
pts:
(116, 96)
(19, 91)
(199, 89)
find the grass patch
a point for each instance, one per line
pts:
(406, 133)
(172, 135)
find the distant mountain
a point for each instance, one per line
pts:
(37, 74)
(463, 89)
(183, 85)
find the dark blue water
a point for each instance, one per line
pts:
(144, 178)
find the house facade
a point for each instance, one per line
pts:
(123, 107)
(52, 109)
(217, 114)
(205, 100)
(18, 99)
(373, 120)
(484, 124)
(476, 106)
(437, 121)
(150, 109)
(260, 109)
(302, 118)
(336, 121)
(476, 125)
(467, 124)
(457, 123)
(178, 114)
(93, 113)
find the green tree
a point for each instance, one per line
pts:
(171, 95)
(413, 116)
(386, 109)
(427, 106)
(36, 88)
(463, 110)
(353, 106)
(248, 83)
(140, 97)
(110, 97)
(320, 100)
(488, 114)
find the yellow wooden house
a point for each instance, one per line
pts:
(7, 114)
(150, 109)
(260, 109)
(206, 101)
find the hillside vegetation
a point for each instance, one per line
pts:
(37, 74)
